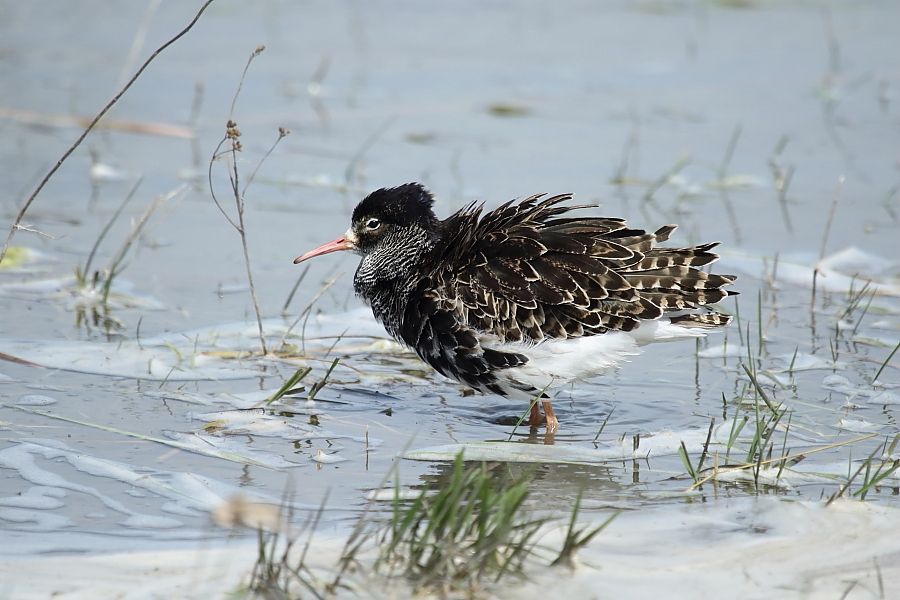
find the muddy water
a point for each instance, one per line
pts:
(663, 112)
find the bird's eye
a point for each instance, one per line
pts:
(373, 224)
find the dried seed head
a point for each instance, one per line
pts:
(231, 130)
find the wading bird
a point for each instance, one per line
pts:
(524, 297)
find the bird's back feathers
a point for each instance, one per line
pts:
(523, 273)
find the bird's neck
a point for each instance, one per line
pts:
(387, 276)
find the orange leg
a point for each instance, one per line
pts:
(552, 422)
(534, 418)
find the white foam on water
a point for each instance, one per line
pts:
(139, 521)
(740, 548)
(858, 425)
(36, 400)
(801, 361)
(884, 398)
(37, 497)
(34, 520)
(873, 395)
(724, 351)
(224, 448)
(21, 458)
(177, 509)
(261, 422)
(845, 270)
(187, 494)
(204, 354)
(656, 444)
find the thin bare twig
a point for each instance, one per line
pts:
(834, 202)
(90, 258)
(282, 133)
(729, 152)
(138, 43)
(237, 92)
(46, 235)
(307, 309)
(722, 174)
(212, 189)
(115, 267)
(782, 187)
(99, 116)
(294, 290)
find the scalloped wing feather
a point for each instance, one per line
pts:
(523, 273)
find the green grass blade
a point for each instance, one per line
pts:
(886, 361)
(298, 376)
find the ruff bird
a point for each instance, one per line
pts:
(525, 297)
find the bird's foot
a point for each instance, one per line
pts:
(552, 422)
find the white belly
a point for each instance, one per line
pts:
(553, 363)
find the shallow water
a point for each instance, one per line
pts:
(479, 103)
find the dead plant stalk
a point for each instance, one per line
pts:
(231, 139)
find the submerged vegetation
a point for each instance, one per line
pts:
(91, 299)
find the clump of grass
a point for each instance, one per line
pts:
(765, 451)
(762, 445)
(693, 471)
(454, 538)
(873, 471)
(767, 416)
(317, 386)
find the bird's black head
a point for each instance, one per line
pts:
(385, 214)
(392, 229)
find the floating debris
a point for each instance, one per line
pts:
(324, 458)
(505, 109)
